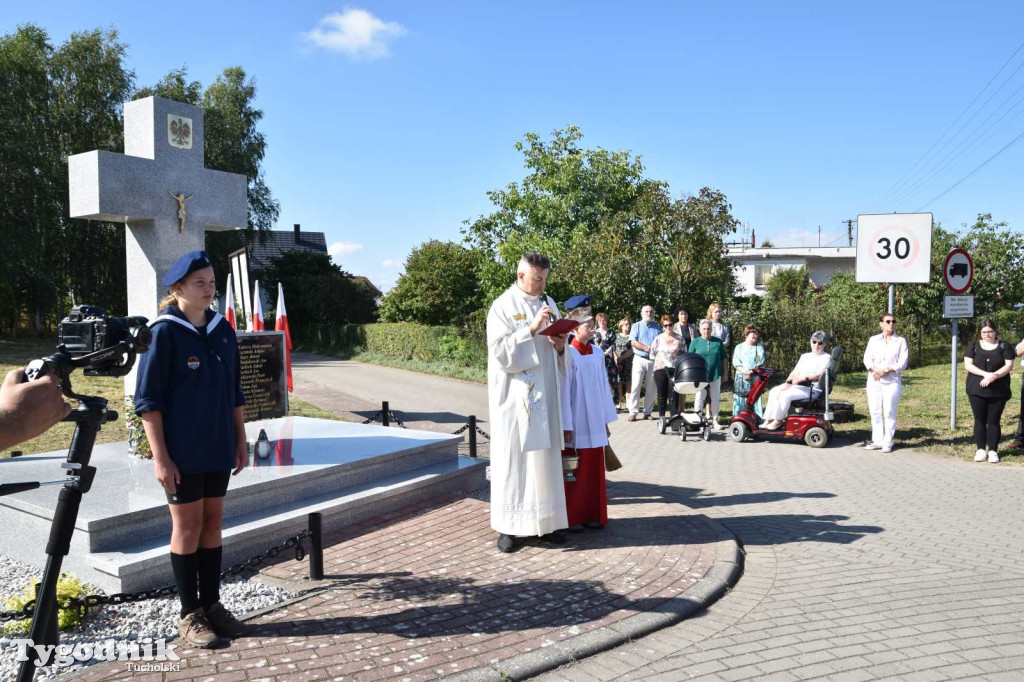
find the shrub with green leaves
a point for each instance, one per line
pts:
(68, 588)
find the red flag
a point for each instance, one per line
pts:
(229, 304)
(283, 444)
(257, 310)
(281, 325)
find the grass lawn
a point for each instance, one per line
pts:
(448, 369)
(17, 354)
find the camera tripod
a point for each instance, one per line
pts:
(88, 418)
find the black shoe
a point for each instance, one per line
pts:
(593, 525)
(506, 543)
(555, 538)
(576, 529)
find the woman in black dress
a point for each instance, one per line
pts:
(623, 359)
(604, 337)
(988, 362)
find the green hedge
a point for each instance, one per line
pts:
(398, 340)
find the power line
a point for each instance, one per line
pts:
(951, 125)
(985, 163)
(957, 152)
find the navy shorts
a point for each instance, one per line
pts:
(197, 486)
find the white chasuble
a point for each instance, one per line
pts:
(523, 377)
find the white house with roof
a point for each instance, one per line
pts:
(755, 266)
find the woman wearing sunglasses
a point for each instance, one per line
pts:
(807, 371)
(885, 358)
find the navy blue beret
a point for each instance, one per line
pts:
(577, 302)
(190, 262)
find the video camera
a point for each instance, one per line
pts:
(98, 344)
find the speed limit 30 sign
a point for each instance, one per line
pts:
(894, 247)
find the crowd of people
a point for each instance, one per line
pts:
(551, 395)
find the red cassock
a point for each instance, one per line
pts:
(586, 498)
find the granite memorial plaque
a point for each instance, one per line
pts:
(264, 374)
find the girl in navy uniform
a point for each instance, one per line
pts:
(189, 397)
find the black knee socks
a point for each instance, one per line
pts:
(186, 574)
(209, 575)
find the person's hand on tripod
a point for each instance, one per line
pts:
(28, 408)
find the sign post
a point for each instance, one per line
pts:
(894, 247)
(957, 274)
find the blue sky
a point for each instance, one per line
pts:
(388, 121)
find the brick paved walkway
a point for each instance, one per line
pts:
(859, 566)
(423, 594)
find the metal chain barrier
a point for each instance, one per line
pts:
(83, 604)
(481, 432)
(373, 418)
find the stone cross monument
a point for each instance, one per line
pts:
(161, 189)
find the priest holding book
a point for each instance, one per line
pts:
(526, 365)
(587, 409)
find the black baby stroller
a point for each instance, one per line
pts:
(689, 376)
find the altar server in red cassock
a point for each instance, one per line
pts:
(587, 409)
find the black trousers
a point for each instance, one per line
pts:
(1019, 436)
(987, 412)
(665, 391)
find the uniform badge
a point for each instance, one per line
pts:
(193, 362)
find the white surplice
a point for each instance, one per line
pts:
(587, 406)
(523, 377)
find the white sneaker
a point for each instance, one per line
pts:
(980, 456)
(993, 457)
(872, 446)
(886, 451)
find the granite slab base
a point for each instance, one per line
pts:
(347, 472)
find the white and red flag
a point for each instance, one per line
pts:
(229, 304)
(257, 310)
(281, 325)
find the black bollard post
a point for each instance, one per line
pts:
(472, 435)
(384, 411)
(316, 546)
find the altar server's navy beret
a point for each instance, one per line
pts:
(577, 302)
(190, 262)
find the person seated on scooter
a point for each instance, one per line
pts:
(665, 348)
(808, 369)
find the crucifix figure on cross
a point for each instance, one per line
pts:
(181, 199)
(129, 188)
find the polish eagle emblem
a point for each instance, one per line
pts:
(181, 132)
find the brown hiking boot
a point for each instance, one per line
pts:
(195, 630)
(223, 623)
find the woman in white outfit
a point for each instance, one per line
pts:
(885, 358)
(808, 368)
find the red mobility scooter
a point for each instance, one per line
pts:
(809, 419)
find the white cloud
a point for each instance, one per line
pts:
(344, 249)
(355, 32)
(390, 263)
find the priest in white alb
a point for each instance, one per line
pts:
(524, 371)
(587, 410)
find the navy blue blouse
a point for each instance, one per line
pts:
(192, 377)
